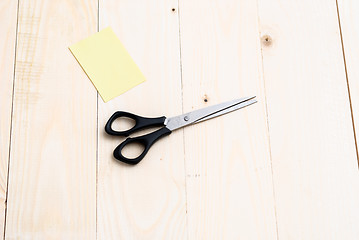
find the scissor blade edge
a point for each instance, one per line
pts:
(176, 122)
(228, 110)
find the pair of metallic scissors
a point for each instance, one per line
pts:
(169, 125)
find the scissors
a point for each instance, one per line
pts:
(169, 125)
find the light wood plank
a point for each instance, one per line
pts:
(349, 21)
(229, 180)
(52, 179)
(146, 201)
(314, 159)
(8, 17)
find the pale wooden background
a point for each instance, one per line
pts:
(284, 168)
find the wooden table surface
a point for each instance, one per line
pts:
(284, 168)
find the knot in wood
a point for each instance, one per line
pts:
(205, 98)
(266, 40)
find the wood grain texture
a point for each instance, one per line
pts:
(52, 179)
(146, 201)
(8, 17)
(284, 168)
(348, 11)
(228, 165)
(316, 178)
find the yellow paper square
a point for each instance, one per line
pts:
(107, 63)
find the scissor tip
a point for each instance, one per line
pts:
(249, 98)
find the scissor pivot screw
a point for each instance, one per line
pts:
(186, 118)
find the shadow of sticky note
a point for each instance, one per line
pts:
(107, 63)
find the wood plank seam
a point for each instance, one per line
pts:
(97, 155)
(183, 135)
(97, 133)
(347, 80)
(11, 118)
(267, 119)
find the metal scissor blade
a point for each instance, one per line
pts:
(230, 109)
(197, 115)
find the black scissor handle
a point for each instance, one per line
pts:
(141, 123)
(146, 140)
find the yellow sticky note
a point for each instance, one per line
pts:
(107, 63)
